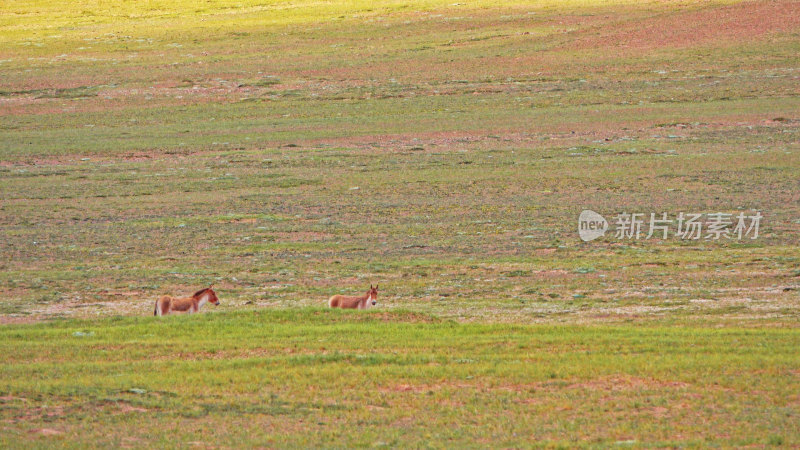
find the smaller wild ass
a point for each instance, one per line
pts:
(355, 302)
(186, 305)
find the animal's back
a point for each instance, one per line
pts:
(182, 305)
(343, 301)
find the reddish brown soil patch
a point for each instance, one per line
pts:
(550, 273)
(739, 22)
(406, 141)
(408, 388)
(424, 388)
(14, 320)
(303, 236)
(615, 383)
(38, 414)
(126, 408)
(626, 384)
(46, 431)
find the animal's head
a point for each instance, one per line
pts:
(209, 292)
(373, 295)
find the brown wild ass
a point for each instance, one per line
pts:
(186, 305)
(355, 302)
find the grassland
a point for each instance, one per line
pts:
(289, 151)
(312, 378)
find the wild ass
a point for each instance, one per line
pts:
(186, 305)
(355, 302)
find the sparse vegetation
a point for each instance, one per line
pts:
(286, 152)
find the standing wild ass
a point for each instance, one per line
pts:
(355, 302)
(186, 305)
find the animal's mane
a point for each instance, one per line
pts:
(200, 292)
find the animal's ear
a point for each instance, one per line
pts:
(376, 287)
(370, 285)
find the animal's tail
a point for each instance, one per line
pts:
(159, 311)
(331, 302)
